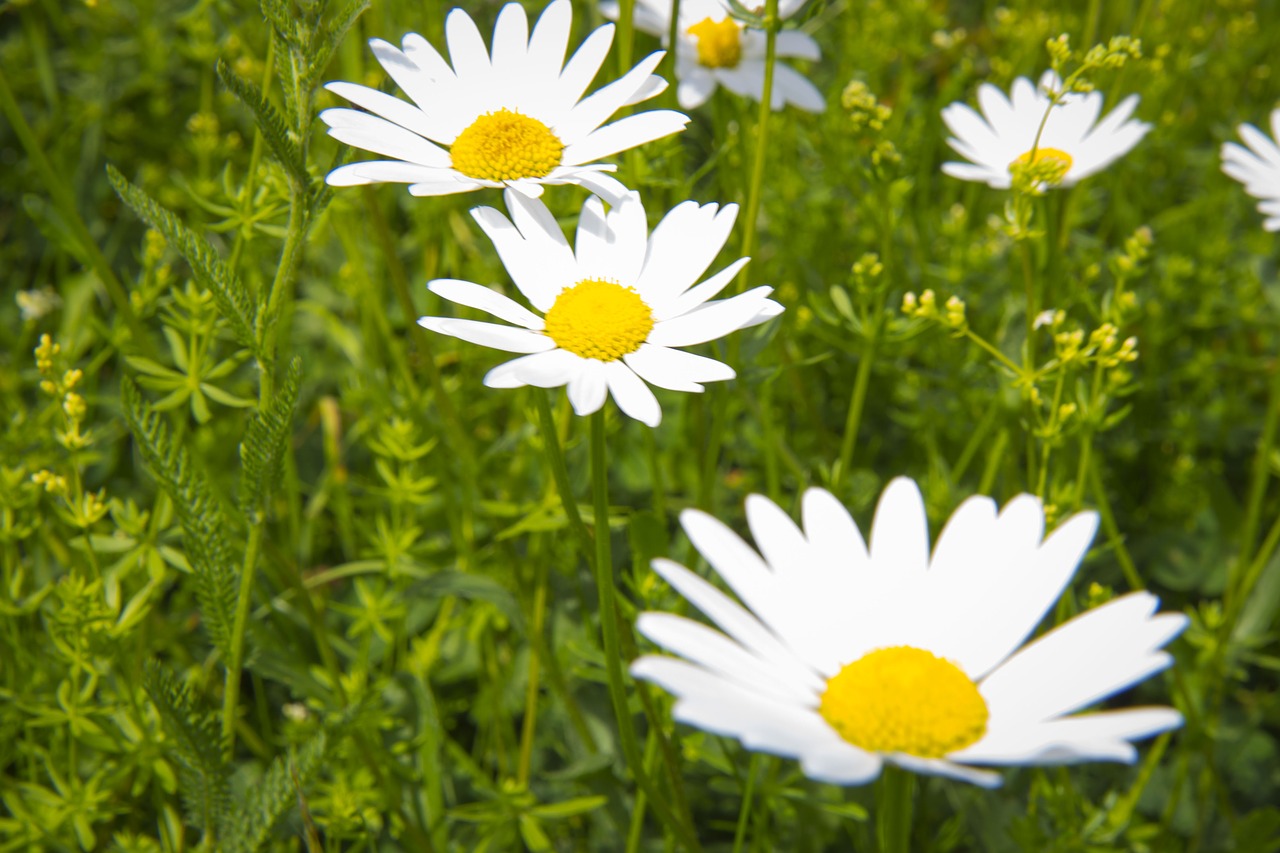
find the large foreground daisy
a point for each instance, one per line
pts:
(713, 49)
(1258, 168)
(850, 656)
(1009, 131)
(513, 116)
(612, 308)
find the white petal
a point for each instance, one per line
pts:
(510, 42)
(549, 41)
(733, 619)
(792, 87)
(467, 52)
(841, 763)
(550, 369)
(444, 187)
(371, 133)
(946, 769)
(631, 394)
(539, 264)
(583, 67)
(1086, 659)
(588, 389)
(697, 295)
(682, 247)
(797, 45)
(623, 134)
(1088, 737)
(833, 535)
(900, 531)
(595, 109)
(391, 108)
(716, 653)
(489, 334)
(676, 370)
(710, 321)
(476, 296)
(609, 189)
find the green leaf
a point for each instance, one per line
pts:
(274, 130)
(265, 440)
(472, 587)
(331, 35)
(196, 742)
(232, 298)
(204, 527)
(281, 788)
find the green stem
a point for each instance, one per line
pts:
(893, 810)
(626, 34)
(559, 472)
(673, 39)
(857, 400)
(1257, 492)
(66, 204)
(744, 811)
(771, 25)
(231, 691)
(531, 693)
(1113, 531)
(610, 630)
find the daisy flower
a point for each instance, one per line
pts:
(850, 655)
(1006, 132)
(713, 49)
(1258, 168)
(612, 308)
(511, 117)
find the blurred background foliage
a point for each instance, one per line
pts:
(422, 668)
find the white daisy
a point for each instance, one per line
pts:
(713, 50)
(850, 656)
(512, 117)
(1258, 168)
(1006, 132)
(612, 307)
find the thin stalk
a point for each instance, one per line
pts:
(771, 27)
(1127, 565)
(531, 694)
(231, 690)
(853, 418)
(673, 39)
(748, 796)
(66, 204)
(610, 629)
(893, 810)
(626, 34)
(559, 472)
(1257, 492)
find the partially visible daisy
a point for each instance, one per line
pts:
(713, 49)
(1258, 168)
(611, 309)
(848, 656)
(1006, 131)
(511, 117)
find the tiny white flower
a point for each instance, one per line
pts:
(1006, 132)
(713, 49)
(612, 308)
(849, 655)
(1258, 168)
(513, 116)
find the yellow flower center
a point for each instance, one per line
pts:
(599, 319)
(719, 42)
(1054, 163)
(505, 146)
(904, 699)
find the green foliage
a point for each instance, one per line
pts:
(425, 668)
(193, 734)
(265, 441)
(234, 301)
(204, 527)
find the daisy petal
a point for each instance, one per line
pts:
(476, 296)
(676, 370)
(710, 321)
(631, 394)
(588, 389)
(489, 334)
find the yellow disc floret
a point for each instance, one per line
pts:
(599, 319)
(904, 699)
(506, 146)
(719, 42)
(1051, 164)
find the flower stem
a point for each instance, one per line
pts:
(560, 473)
(610, 630)
(893, 810)
(231, 689)
(748, 795)
(772, 25)
(857, 400)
